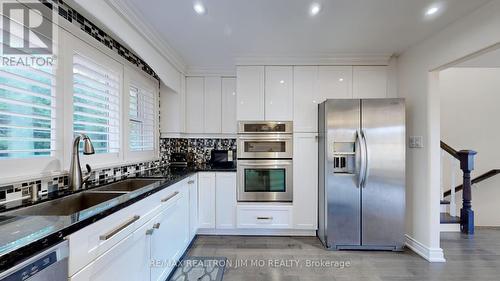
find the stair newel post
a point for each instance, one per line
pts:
(466, 158)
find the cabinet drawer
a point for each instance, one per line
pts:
(94, 240)
(262, 216)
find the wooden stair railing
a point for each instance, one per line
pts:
(466, 159)
(478, 179)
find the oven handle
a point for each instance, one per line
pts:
(265, 165)
(266, 138)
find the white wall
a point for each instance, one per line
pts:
(470, 98)
(470, 34)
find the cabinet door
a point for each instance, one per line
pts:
(170, 235)
(127, 260)
(334, 82)
(229, 105)
(193, 205)
(370, 82)
(279, 93)
(225, 200)
(195, 87)
(213, 105)
(250, 89)
(172, 105)
(305, 98)
(206, 200)
(305, 181)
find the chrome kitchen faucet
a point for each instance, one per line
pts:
(76, 178)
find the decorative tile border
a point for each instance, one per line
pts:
(71, 15)
(200, 149)
(22, 190)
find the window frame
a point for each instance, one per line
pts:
(134, 78)
(15, 169)
(72, 46)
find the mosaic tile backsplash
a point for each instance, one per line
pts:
(22, 190)
(198, 147)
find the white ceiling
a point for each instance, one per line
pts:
(251, 28)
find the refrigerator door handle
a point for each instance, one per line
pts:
(359, 159)
(365, 159)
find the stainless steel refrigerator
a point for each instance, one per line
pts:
(362, 174)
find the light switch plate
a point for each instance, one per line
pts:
(416, 142)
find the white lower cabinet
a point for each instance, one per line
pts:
(264, 216)
(127, 260)
(206, 200)
(169, 235)
(192, 185)
(225, 200)
(143, 247)
(217, 200)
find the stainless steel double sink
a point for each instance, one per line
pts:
(75, 203)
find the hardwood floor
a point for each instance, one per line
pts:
(297, 259)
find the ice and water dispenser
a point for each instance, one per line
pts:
(344, 157)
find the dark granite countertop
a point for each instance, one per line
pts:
(23, 236)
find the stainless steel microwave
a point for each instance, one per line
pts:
(269, 146)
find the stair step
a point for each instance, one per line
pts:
(445, 202)
(447, 218)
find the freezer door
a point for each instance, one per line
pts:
(342, 118)
(383, 192)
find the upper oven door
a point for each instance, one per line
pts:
(265, 146)
(265, 127)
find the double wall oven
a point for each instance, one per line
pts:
(265, 151)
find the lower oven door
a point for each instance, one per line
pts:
(265, 181)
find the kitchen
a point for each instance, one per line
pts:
(129, 158)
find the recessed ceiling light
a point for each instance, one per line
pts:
(341, 80)
(314, 9)
(432, 10)
(199, 8)
(282, 81)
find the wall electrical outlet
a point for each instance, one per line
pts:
(416, 142)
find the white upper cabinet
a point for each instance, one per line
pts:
(334, 82)
(172, 106)
(213, 105)
(250, 93)
(370, 82)
(195, 87)
(305, 98)
(229, 105)
(279, 93)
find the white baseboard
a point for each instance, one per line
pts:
(449, 227)
(430, 254)
(257, 232)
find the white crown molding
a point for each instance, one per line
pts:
(332, 59)
(211, 71)
(149, 33)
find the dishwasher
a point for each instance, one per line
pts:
(49, 265)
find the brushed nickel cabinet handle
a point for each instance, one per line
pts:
(264, 218)
(191, 182)
(170, 196)
(156, 225)
(119, 228)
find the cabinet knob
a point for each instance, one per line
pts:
(156, 225)
(149, 231)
